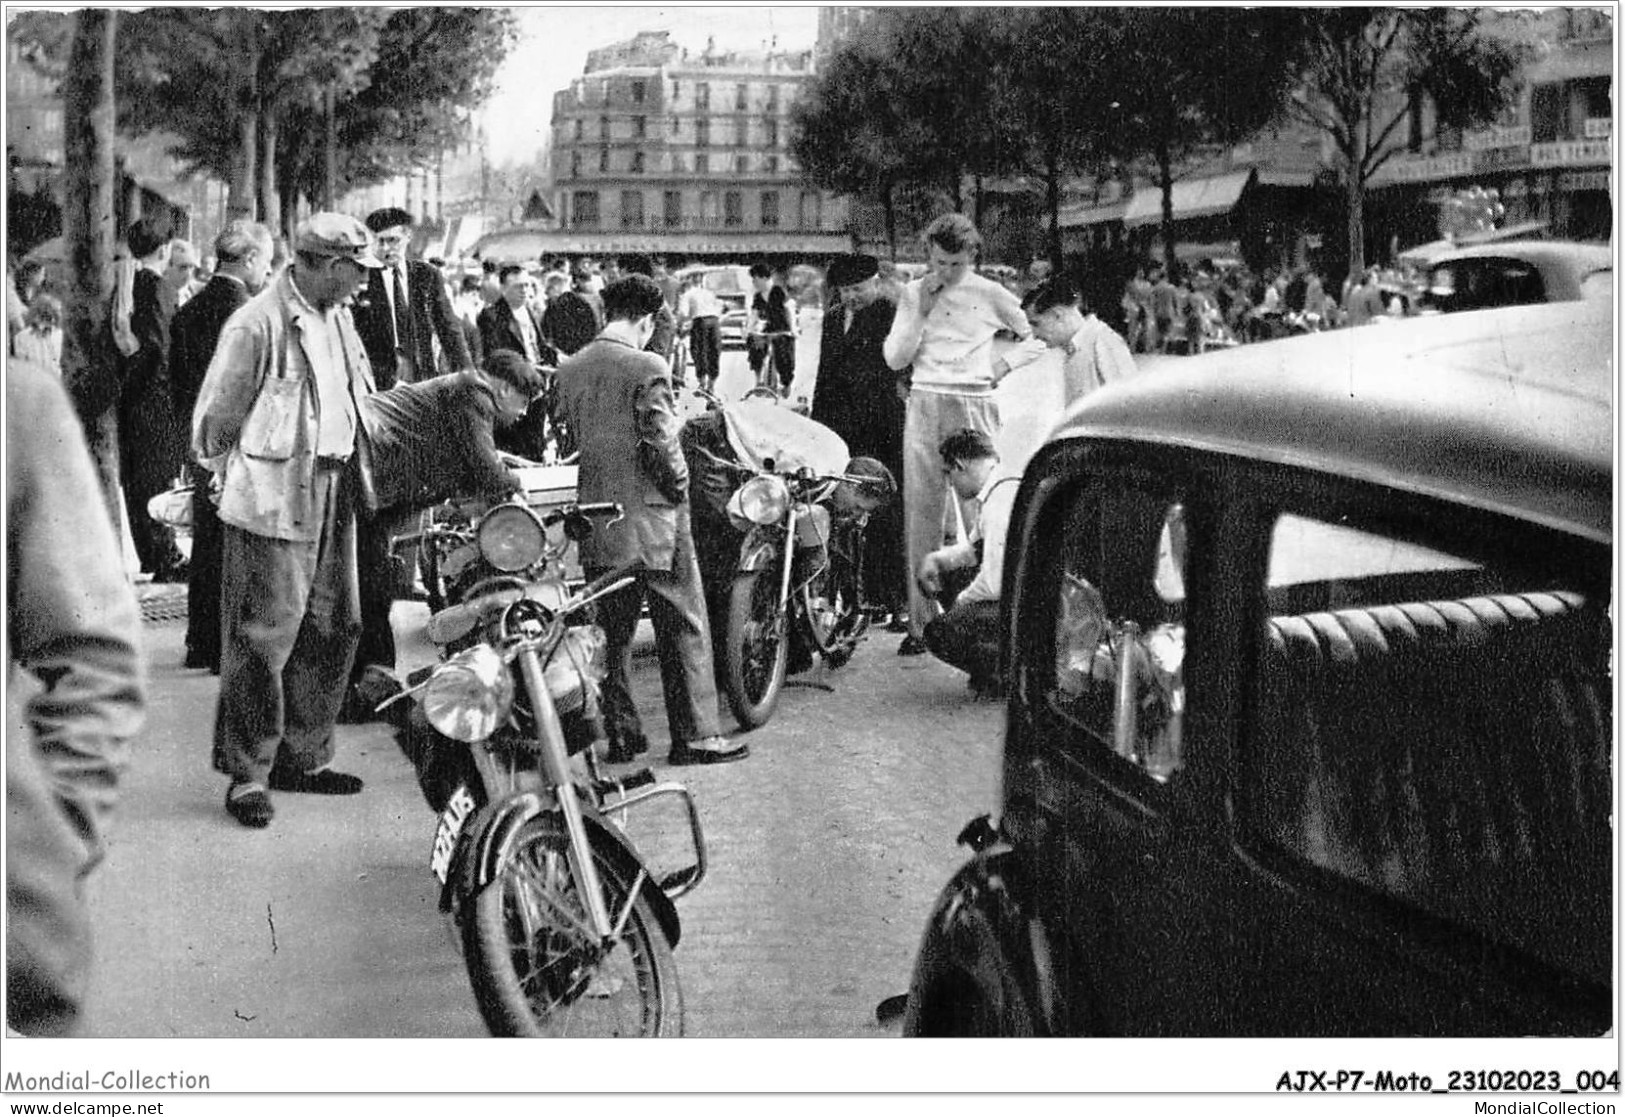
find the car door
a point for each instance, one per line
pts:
(1421, 782)
(1105, 577)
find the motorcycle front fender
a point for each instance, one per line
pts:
(498, 825)
(760, 550)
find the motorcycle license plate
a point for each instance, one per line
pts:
(451, 824)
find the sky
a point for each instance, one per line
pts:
(554, 42)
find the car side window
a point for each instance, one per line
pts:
(1119, 627)
(1436, 726)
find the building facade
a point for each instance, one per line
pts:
(658, 149)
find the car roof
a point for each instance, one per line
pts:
(1509, 410)
(1582, 257)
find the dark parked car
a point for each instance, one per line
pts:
(1518, 273)
(1310, 720)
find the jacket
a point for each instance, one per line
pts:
(434, 441)
(256, 417)
(431, 316)
(619, 401)
(192, 337)
(855, 394)
(500, 330)
(75, 703)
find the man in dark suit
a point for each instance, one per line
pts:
(622, 395)
(512, 323)
(243, 263)
(856, 395)
(405, 308)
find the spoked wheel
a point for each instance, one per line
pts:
(756, 649)
(538, 969)
(835, 620)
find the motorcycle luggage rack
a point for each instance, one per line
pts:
(639, 788)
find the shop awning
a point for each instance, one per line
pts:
(1193, 197)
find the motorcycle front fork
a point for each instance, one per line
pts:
(556, 767)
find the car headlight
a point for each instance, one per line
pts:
(469, 695)
(511, 537)
(761, 500)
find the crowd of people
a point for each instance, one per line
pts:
(289, 382)
(1188, 310)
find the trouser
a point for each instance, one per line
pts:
(292, 616)
(705, 346)
(783, 348)
(376, 572)
(203, 580)
(682, 643)
(967, 637)
(932, 417)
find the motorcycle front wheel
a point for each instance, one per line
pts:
(538, 970)
(755, 650)
(835, 619)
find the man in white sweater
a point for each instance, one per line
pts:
(944, 329)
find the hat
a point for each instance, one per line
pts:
(844, 271)
(387, 218)
(334, 234)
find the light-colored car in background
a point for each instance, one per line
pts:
(1517, 273)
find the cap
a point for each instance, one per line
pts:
(334, 234)
(387, 218)
(844, 271)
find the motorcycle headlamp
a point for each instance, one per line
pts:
(761, 500)
(469, 695)
(511, 537)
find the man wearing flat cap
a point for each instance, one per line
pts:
(856, 395)
(278, 419)
(405, 308)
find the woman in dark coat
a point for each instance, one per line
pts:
(857, 396)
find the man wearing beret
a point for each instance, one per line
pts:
(857, 396)
(405, 308)
(278, 418)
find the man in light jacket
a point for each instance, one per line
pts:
(278, 418)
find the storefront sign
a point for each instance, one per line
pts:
(1454, 165)
(1599, 128)
(1569, 153)
(1503, 158)
(1583, 180)
(1483, 139)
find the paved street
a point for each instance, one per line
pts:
(828, 846)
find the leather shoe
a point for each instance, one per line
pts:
(624, 752)
(323, 781)
(898, 622)
(708, 750)
(912, 645)
(252, 808)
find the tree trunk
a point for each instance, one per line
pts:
(890, 208)
(1354, 198)
(265, 186)
(330, 151)
(243, 172)
(1165, 183)
(1052, 203)
(89, 360)
(980, 200)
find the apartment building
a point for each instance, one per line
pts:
(684, 153)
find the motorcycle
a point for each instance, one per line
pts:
(795, 588)
(565, 928)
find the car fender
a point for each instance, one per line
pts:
(981, 933)
(499, 823)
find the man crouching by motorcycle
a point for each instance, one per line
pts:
(715, 472)
(430, 441)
